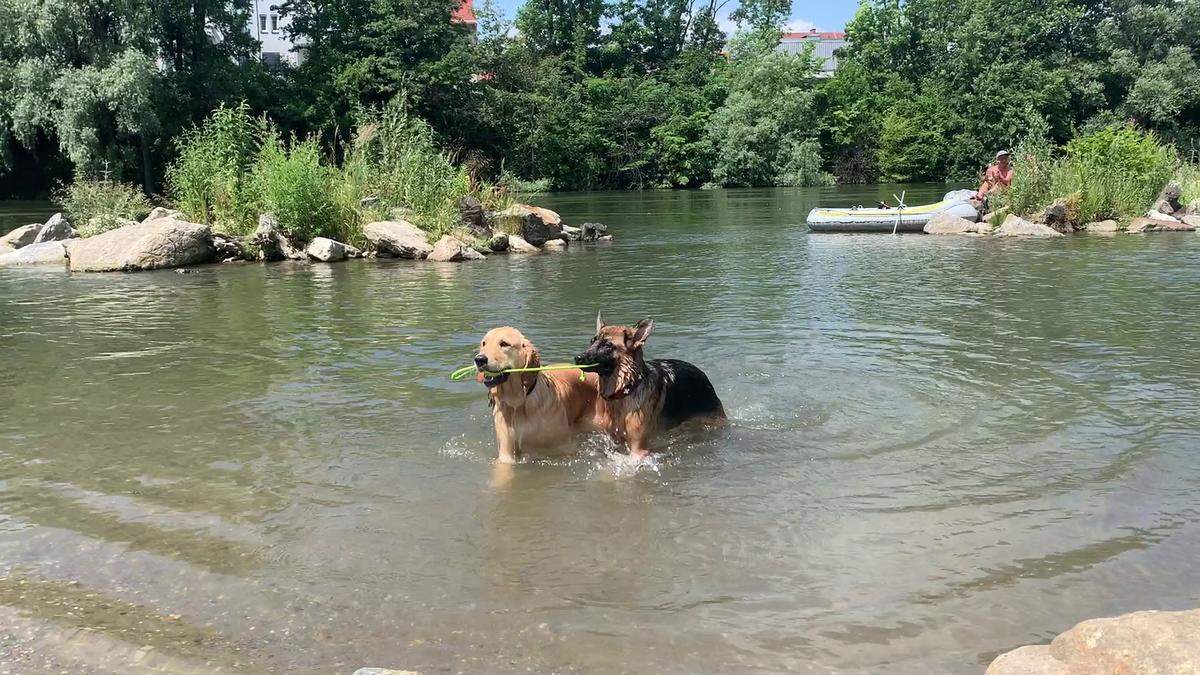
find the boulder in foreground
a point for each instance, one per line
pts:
(1014, 226)
(944, 223)
(22, 236)
(1141, 642)
(517, 244)
(56, 229)
(1102, 227)
(45, 253)
(273, 242)
(449, 249)
(398, 238)
(323, 249)
(533, 224)
(157, 244)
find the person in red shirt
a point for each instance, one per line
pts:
(999, 174)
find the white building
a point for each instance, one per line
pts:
(827, 44)
(270, 28)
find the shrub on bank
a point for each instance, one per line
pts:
(1188, 176)
(209, 181)
(1114, 172)
(290, 182)
(96, 206)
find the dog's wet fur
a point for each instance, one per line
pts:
(642, 398)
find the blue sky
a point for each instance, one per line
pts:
(827, 15)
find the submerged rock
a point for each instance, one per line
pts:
(56, 229)
(323, 249)
(1102, 227)
(1015, 226)
(398, 238)
(555, 245)
(22, 236)
(1141, 642)
(451, 249)
(593, 231)
(1148, 224)
(158, 244)
(45, 253)
(944, 223)
(572, 233)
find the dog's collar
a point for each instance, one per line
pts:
(530, 389)
(623, 391)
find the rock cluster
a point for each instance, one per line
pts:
(165, 239)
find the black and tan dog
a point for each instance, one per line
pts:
(642, 398)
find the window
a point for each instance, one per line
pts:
(262, 22)
(271, 59)
(274, 23)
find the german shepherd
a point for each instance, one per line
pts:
(642, 398)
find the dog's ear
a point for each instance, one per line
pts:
(599, 323)
(641, 332)
(529, 354)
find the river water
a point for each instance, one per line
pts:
(940, 448)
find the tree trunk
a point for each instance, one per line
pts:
(147, 170)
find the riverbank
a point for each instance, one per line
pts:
(166, 239)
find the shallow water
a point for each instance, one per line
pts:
(940, 448)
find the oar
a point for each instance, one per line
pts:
(899, 209)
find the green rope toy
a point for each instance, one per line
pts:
(466, 371)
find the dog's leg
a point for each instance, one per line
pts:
(507, 443)
(637, 436)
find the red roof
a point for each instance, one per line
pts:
(465, 13)
(814, 34)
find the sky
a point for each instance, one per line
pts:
(829, 15)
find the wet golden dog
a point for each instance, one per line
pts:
(532, 410)
(642, 398)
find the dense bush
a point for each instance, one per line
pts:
(95, 206)
(292, 184)
(209, 180)
(1114, 172)
(1188, 176)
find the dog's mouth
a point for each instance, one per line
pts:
(490, 379)
(600, 366)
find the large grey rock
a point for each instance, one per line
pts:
(163, 212)
(572, 233)
(44, 253)
(22, 236)
(1102, 227)
(1168, 200)
(1015, 226)
(555, 245)
(471, 212)
(1194, 221)
(450, 249)
(1159, 225)
(158, 244)
(322, 249)
(1141, 642)
(398, 238)
(517, 244)
(535, 225)
(273, 242)
(944, 223)
(56, 229)
(593, 231)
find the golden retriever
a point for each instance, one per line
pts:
(532, 410)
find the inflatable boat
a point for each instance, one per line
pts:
(901, 219)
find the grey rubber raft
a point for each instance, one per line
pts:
(907, 219)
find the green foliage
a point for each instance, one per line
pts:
(209, 180)
(1188, 177)
(1114, 172)
(912, 143)
(395, 159)
(96, 206)
(292, 184)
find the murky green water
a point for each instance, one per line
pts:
(940, 448)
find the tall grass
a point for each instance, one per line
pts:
(209, 181)
(1114, 172)
(1188, 176)
(234, 167)
(94, 206)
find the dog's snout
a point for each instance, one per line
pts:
(581, 359)
(480, 360)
